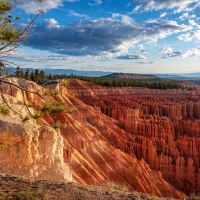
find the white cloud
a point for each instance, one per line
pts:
(193, 23)
(142, 49)
(32, 6)
(96, 3)
(131, 57)
(135, 10)
(164, 14)
(72, 13)
(97, 38)
(165, 50)
(180, 5)
(169, 53)
(190, 36)
(51, 23)
(183, 16)
(125, 19)
(187, 16)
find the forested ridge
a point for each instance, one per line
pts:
(39, 76)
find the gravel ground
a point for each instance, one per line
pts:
(19, 189)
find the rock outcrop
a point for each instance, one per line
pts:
(33, 151)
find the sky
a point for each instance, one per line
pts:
(134, 36)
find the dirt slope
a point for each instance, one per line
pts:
(15, 188)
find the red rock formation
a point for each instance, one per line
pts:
(130, 136)
(164, 127)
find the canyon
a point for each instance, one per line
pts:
(145, 139)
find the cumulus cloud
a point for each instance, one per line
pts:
(97, 37)
(131, 57)
(193, 52)
(193, 23)
(125, 19)
(32, 6)
(142, 49)
(165, 50)
(72, 13)
(149, 5)
(190, 36)
(186, 16)
(96, 3)
(164, 14)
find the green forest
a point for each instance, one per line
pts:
(40, 77)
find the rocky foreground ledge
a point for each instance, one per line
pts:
(16, 188)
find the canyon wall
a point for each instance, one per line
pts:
(163, 127)
(100, 143)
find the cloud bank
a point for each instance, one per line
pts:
(97, 38)
(169, 53)
(179, 5)
(32, 6)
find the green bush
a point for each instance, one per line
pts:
(46, 107)
(4, 146)
(46, 92)
(37, 116)
(72, 111)
(57, 126)
(57, 107)
(4, 110)
(64, 83)
(31, 105)
(56, 92)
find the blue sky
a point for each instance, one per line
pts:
(136, 36)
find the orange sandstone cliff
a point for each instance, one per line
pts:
(144, 139)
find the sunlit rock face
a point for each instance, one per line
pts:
(33, 151)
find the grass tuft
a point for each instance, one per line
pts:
(37, 116)
(72, 111)
(194, 196)
(57, 126)
(30, 195)
(4, 146)
(25, 119)
(117, 186)
(4, 110)
(57, 107)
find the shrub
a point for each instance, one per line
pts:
(72, 111)
(46, 107)
(31, 105)
(4, 146)
(46, 92)
(64, 83)
(30, 195)
(37, 116)
(117, 186)
(57, 107)
(194, 196)
(4, 110)
(25, 119)
(56, 92)
(57, 126)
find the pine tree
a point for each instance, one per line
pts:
(27, 75)
(11, 36)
